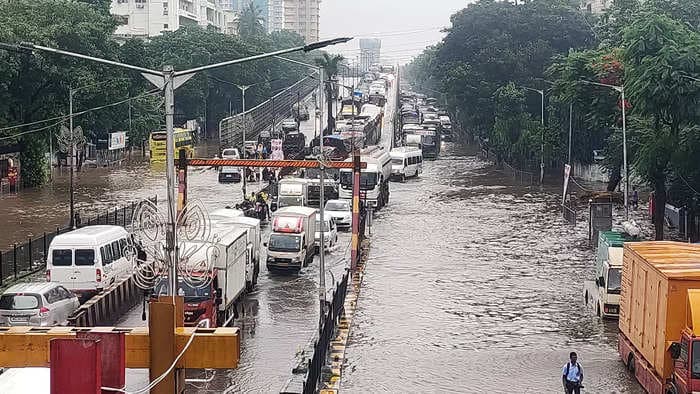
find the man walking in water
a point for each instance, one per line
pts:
(572, 375)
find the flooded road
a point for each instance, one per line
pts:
(475, 285)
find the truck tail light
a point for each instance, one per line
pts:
(48, 275)
(44, 311)
(98, 275)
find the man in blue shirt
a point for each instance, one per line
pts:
(572, 375)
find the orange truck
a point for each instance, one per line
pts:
(659, 312)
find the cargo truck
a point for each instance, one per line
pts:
(291, 244)
(222, 223)
(211, 301)
(603, 293)
(292, 192)
(659, 316)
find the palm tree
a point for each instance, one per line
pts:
(331, 66)
(250, 23)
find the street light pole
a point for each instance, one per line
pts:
(571, 127)
(243, 123)
(71, 149)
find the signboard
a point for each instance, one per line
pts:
(567, 173)
(276, 144)
(116, 140)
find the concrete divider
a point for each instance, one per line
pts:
(107, 307)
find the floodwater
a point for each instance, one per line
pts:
(474, 285)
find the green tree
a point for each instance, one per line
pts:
(250, 23)
(659, 52)
(37, 84)
(331, 67)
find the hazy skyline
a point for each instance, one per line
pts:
(405, 27)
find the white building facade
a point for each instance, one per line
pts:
(595, 6)
(302, 16)
(148, 18)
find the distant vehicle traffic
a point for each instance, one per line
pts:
(42, 304)
(229, 174)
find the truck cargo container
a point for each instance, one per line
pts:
(659, 313)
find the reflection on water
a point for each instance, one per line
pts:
(474, 285)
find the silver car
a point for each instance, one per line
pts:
(37, 304)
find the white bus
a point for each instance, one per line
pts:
(406, 161)
(374, 180)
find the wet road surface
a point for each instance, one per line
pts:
(474, 285)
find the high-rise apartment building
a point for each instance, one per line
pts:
(263, 7)
(370, 52)
(275, 15)
(595, 6)
(302, 16)
(148, 18)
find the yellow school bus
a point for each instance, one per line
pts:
(183, 140)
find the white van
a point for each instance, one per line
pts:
(406, 161)
(88, 259)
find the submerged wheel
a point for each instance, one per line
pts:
(597, 310)
(671, 388)
(630, 363)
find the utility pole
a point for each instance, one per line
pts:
(322, 167)
(243, 88)
(571, 127)
(355, 251)
(541, 92)
(71, 150)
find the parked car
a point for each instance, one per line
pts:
(340, 211)
(37, 304)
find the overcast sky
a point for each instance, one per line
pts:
(404, 26)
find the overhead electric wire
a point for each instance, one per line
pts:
(65, 117)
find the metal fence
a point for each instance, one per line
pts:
(261, 116)
(524, 177)
(568, 211)
(325, 336)
(30, 257)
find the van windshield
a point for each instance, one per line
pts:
(62, 257)
(284, 243)
(19, 302)
(614, 281)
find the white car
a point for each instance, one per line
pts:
(230, 154)
(340, 211)
(330, 233)
(44, 304)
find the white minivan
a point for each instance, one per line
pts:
(88, 259)
(406, 161)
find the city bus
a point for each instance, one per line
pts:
(183, 140)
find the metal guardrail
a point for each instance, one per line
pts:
(107, 307)
(30, 257)
(260, 117)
